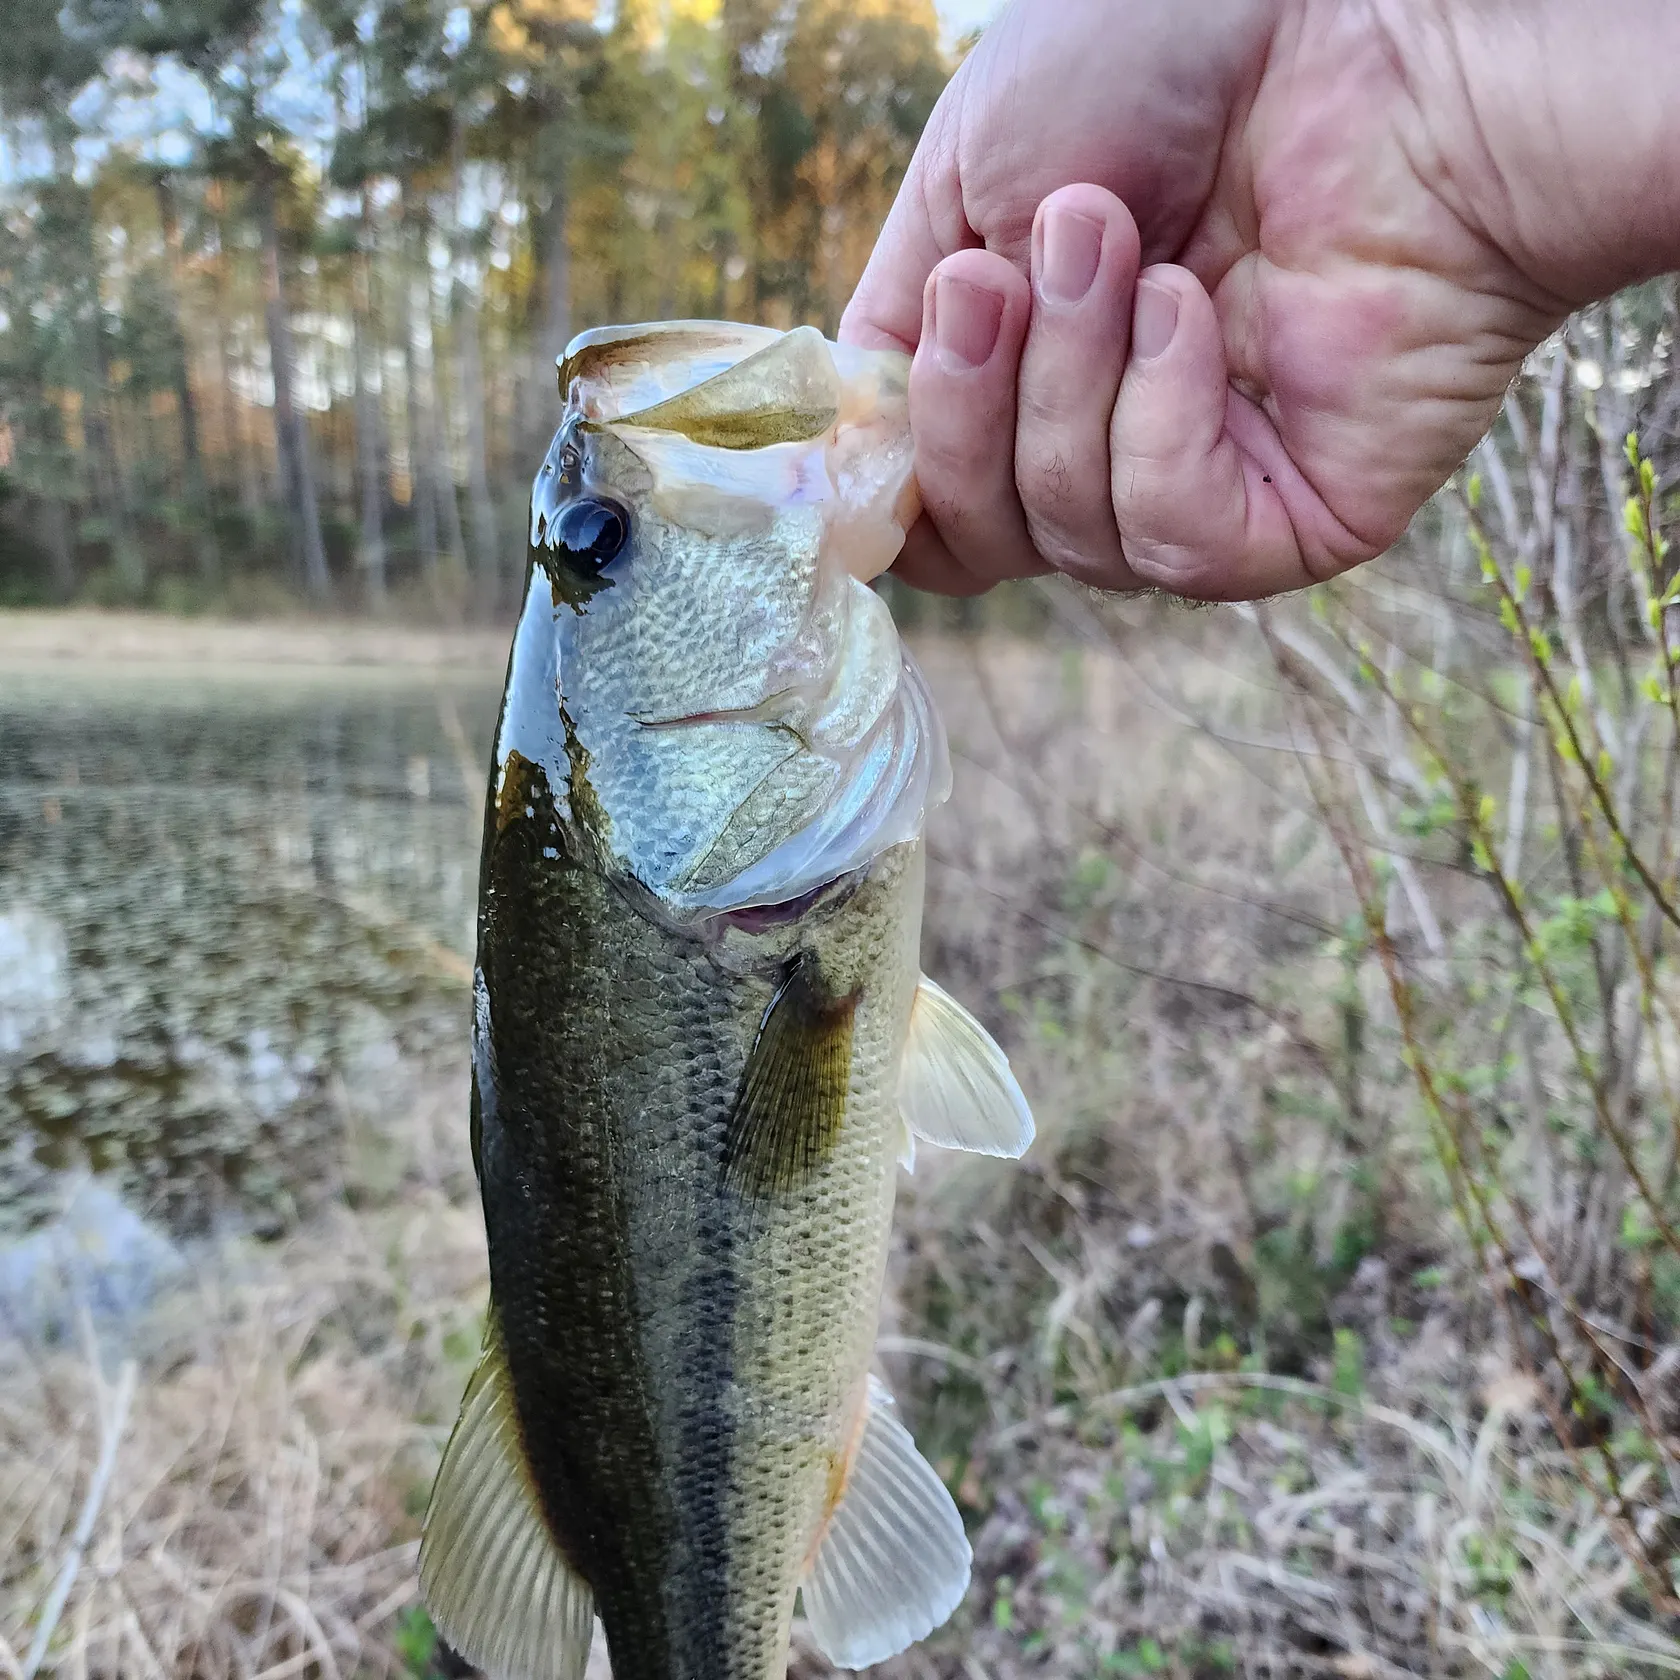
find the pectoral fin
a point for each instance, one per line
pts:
(792, 1100)
(894, 1562)
(955, 1088)
(497, 1586)
(785, 393)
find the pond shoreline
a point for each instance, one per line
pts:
(138, 639)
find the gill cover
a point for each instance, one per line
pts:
(719, 703)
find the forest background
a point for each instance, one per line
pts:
(282, 282)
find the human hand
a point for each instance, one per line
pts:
(1212, 295)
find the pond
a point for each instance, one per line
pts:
(236, 908)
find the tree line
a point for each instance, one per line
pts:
(282, 281)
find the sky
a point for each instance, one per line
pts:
(161, 125)
(960, 16)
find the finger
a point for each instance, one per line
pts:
(962, 414)
(1085, 264)
(1207, 500)
(926, 563)
(926, 224)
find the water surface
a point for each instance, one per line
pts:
(235, 910)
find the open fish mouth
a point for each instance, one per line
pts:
(759, 918)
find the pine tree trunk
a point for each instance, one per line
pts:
(367, 419)
(197, 485)
(478, 469)
(291, 434)
(420, 494)
(110, 486)
(235, 412)
(55, 516)
(454, 540)
(470, 357)
(557, 314)
(537, 405)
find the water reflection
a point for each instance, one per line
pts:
(233, 911)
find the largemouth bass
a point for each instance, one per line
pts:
(702, 1043)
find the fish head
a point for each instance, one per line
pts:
(701, 663)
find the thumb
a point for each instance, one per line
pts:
(1208, 502)
(925, 225)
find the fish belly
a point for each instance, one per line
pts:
(687, 1356)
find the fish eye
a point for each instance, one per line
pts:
(590, 533)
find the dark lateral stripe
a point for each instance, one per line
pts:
(792, 1100)
(562, 1274)
(706, 1431)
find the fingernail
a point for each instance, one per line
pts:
(1072, 250)
(966, 319)
(1154, 318)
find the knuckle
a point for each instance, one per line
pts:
(1142, 494)
(1042, 408)
(1056, 546)
(947, 456)
(1045, 473)
(1064, 494)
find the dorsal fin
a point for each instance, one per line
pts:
(609, 365)
(956, 1088)
(785, 393)
(894, 1561)
(792, 1100)
(498, 1588)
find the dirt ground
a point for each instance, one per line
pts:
(133, 638)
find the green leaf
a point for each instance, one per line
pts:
(1637, 1229)
(1349, 1370)
(415, 1640)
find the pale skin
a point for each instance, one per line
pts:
(1211, 295)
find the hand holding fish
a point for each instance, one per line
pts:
(1212, 295)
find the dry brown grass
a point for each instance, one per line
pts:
(261, 1515)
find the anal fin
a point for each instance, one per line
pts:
(496, 1584)
(894, 1562)
(955, 1088)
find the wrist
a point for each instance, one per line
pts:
(1561, 146)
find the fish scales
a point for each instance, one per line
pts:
(700, 1036)
(617, 1252)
